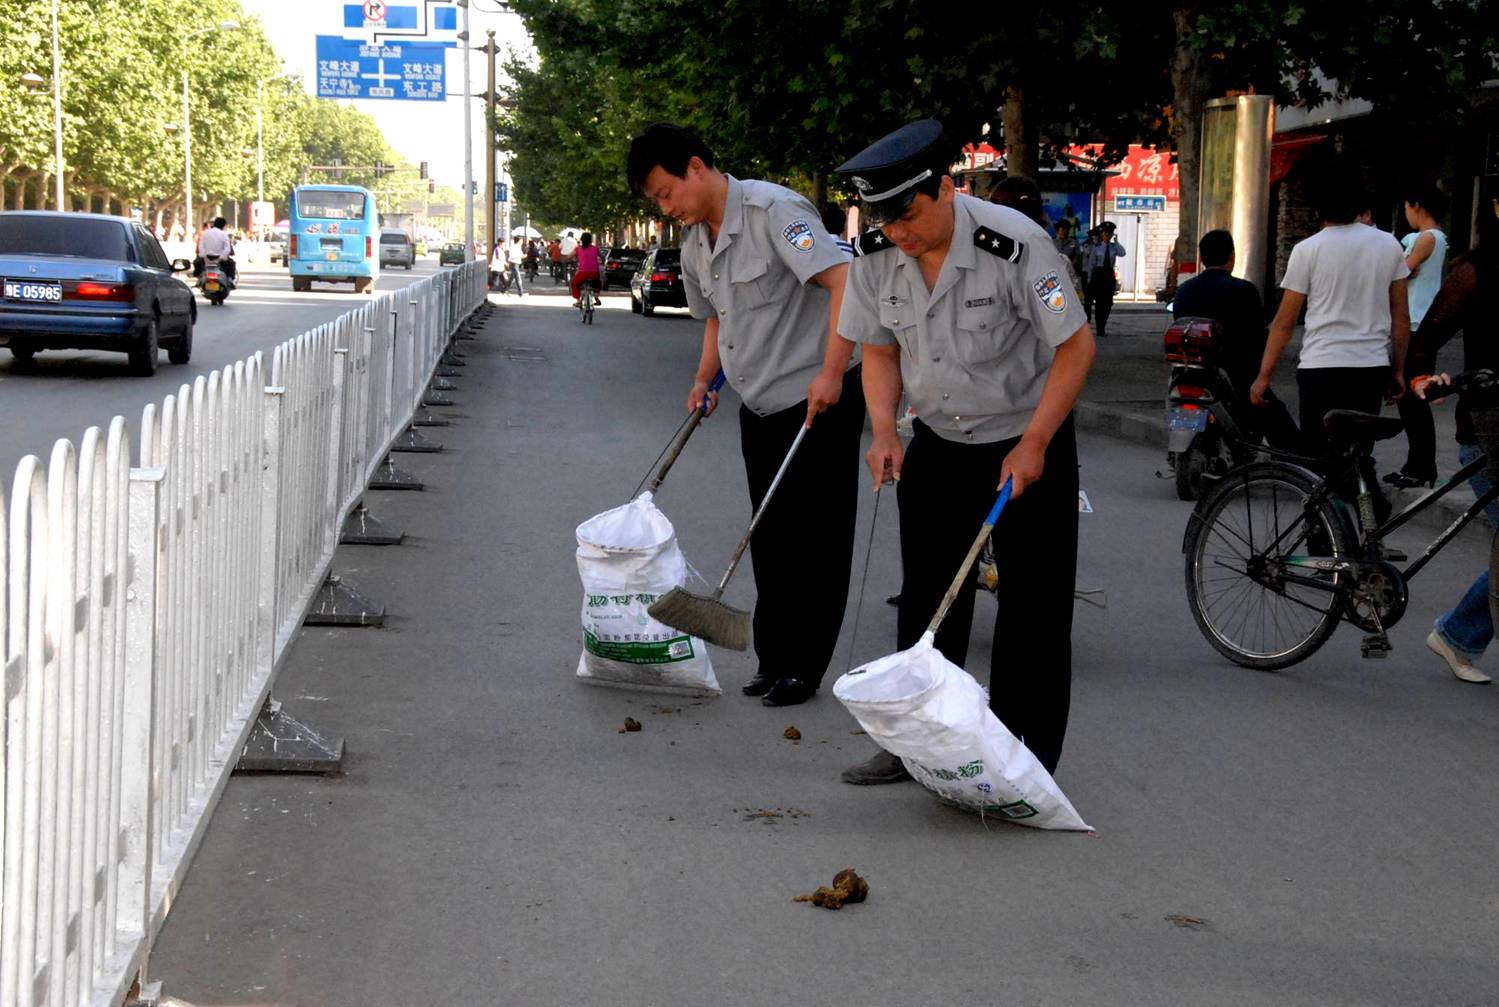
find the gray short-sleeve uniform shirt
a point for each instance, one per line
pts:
(976, 352)
(772, 321)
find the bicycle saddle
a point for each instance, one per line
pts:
(1349, 426)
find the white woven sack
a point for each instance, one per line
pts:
(627, 558)
(920, 706)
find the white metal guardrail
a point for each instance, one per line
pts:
(144, 612)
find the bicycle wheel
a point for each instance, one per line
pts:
(1237, 546)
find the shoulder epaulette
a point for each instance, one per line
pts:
(870, 242)
(1001, 245)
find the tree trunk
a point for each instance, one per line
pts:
(1021, 155)
(1189, 84)
(820, 190)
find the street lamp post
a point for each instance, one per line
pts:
(187, 131)
(468, 140)
(57, 105)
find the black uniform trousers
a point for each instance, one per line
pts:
(946, 489)
(803, 549)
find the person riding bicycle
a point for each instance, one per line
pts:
(588, 267)
(554, 254)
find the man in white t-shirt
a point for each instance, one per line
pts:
(1352, 281)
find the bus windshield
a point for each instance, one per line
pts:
(330, 204)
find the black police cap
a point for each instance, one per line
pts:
(888, 171)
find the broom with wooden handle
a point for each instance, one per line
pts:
(711, 618)
(973, 554)
(679, 441)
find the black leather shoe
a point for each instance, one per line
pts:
(882, 767)
(759, 685)
(1406, 481)
(789, 692)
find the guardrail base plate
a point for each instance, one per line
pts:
(363, 528)
(338, 604)
(280, 743)
(437, 399)
(388, 477)
(412, 441)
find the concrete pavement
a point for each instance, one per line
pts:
(1310, 837)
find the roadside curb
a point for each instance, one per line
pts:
(1130, 425)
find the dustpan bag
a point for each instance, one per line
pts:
(920, 706)
(627, 558)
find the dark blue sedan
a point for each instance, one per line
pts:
(91, 282)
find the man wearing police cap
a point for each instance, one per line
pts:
(967, 306)
(765, 277)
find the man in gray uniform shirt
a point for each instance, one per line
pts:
(767, 278)
(967, 306)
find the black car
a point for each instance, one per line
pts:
(91, 282)
(658, 283)
(620, 265)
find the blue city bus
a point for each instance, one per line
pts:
(335, 235)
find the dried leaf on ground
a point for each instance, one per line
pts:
(792, 734)
(631, 724)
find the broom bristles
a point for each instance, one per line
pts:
(707, 618)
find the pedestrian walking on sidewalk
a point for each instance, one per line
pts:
(1469, 301)
(966, 306)
(1100, 272)
(1352, 281)
(767, 278)
(1425, 255)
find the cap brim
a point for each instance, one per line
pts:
(887, 211)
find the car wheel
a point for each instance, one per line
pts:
(143, 358)
(301, 284)
(23, 354)
(181, 351)
(634, 304)
(646, 307)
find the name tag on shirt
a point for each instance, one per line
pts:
(978, 302)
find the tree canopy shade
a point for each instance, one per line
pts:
(787, 89)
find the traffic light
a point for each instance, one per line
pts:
(424, 169)
(473, 189)
(379, 169)
(431, 185)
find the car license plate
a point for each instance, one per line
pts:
(331, 256)
(1195, 420)
(211, 285)
(20, 290)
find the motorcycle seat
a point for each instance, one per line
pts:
(1349, 426)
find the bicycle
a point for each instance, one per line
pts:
(586, 299)
(1275, 560)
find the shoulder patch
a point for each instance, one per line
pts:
(798, 234)
(1001, 245)
(870, 242)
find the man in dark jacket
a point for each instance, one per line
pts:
(1235, 305)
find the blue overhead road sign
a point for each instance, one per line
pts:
(401, 71)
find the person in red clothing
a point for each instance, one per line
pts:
(588, 265)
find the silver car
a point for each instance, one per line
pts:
(397, 249)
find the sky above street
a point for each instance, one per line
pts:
(419, 130)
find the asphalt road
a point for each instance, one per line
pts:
(65, 392)
(1315, 836)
